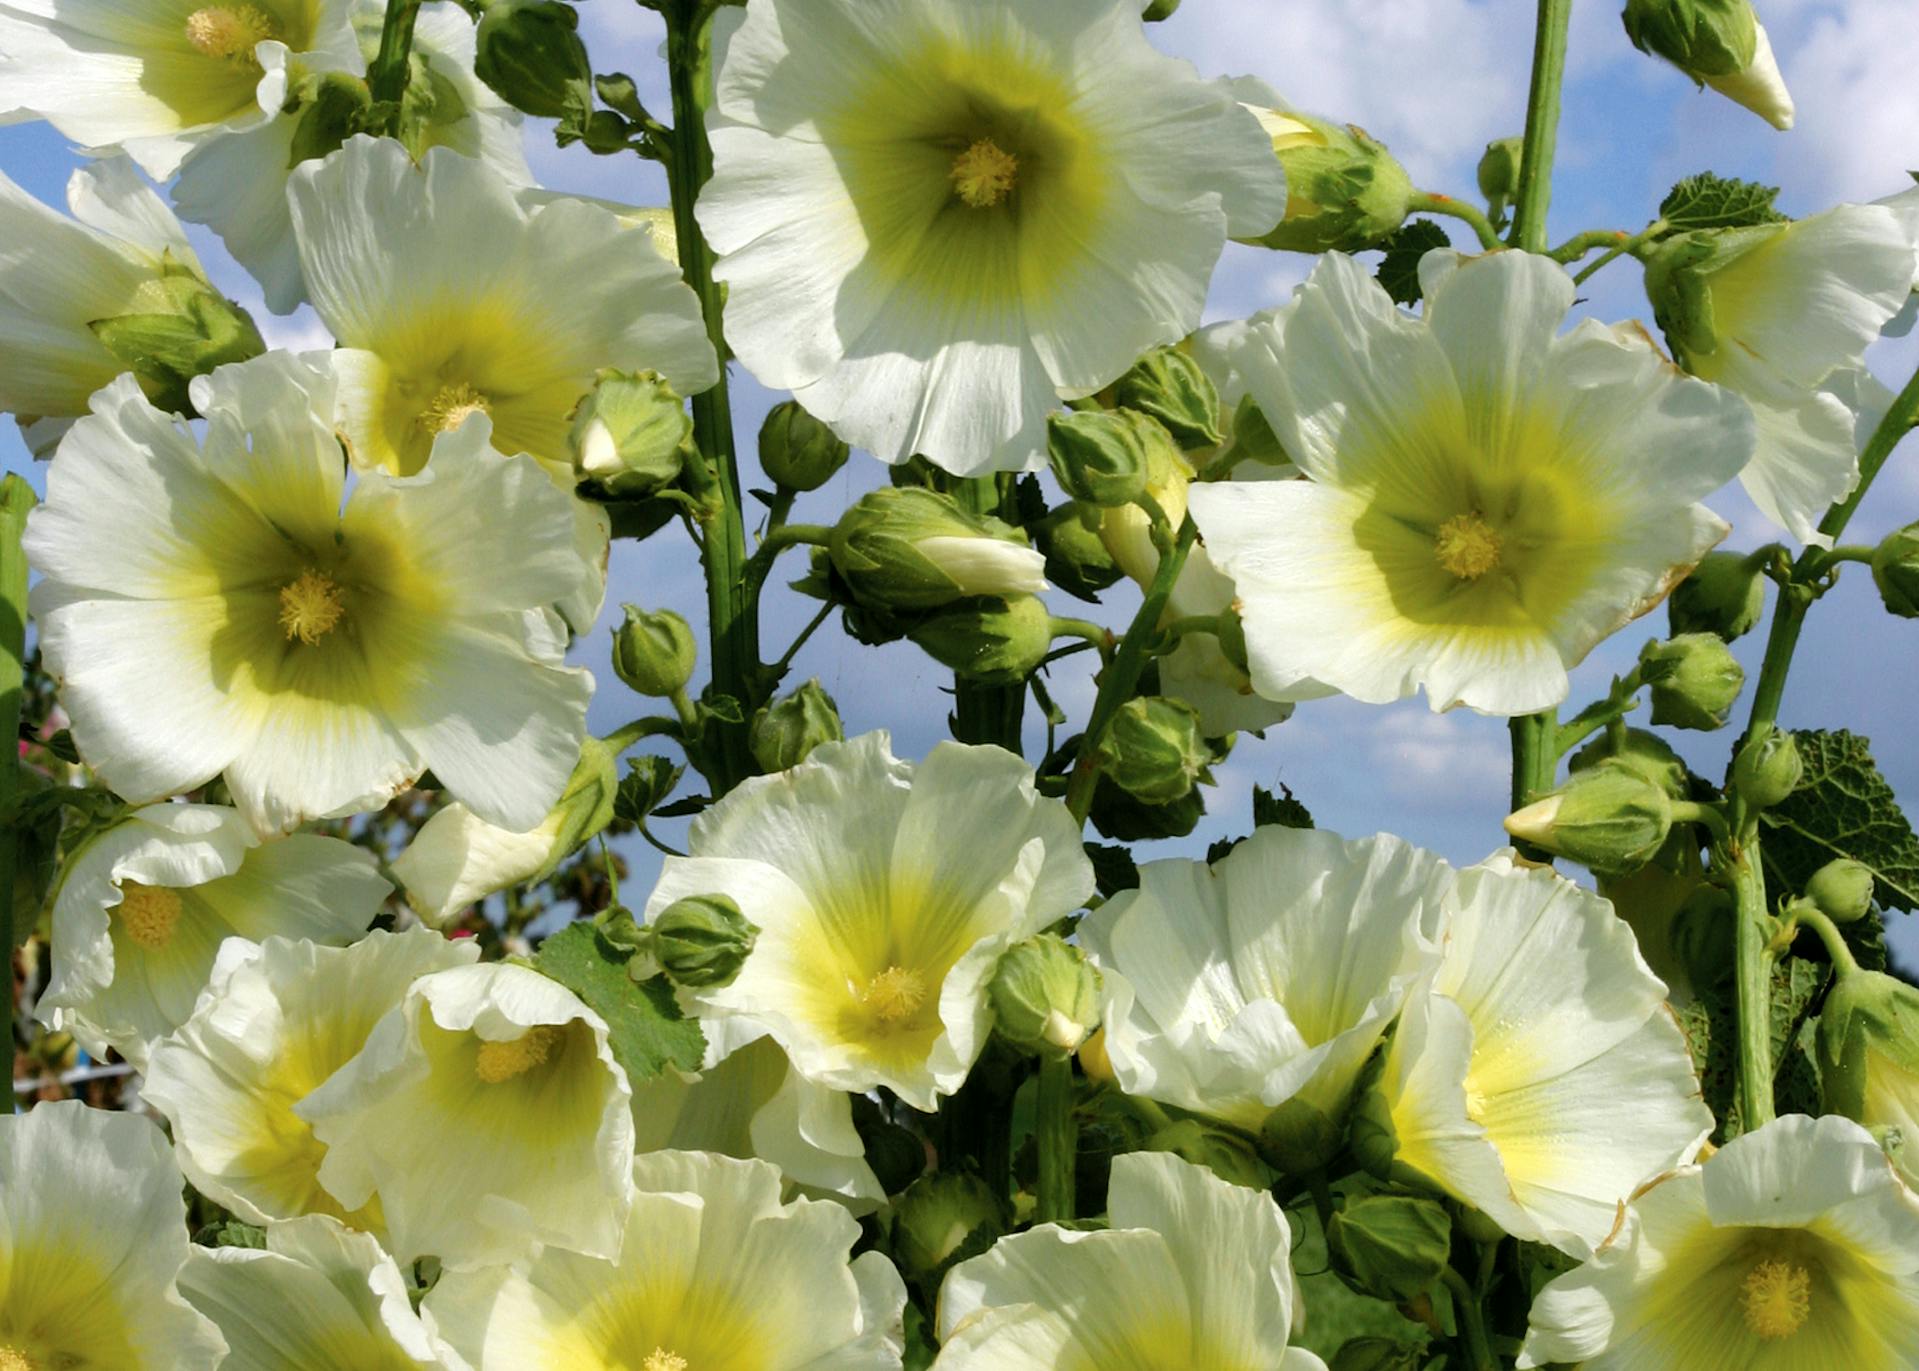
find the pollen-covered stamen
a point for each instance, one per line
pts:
(452, 405)
(148, 916)
(502, 1061)
(231, 32)
(310, 608)
(984, 174)
(1467, 546)
(659, 1359)
(894, 995)
(1777, 1298)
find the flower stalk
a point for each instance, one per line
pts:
(1057, 1137)
(16, 498)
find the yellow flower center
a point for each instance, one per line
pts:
(452, 405)
(230, 32)
(310, 607)
(658, 1360)
(984, 174)
(148, 914)
(1777, 1298)
(503, 1061)
(895, 994)
(13, 1359)
(1467, 546)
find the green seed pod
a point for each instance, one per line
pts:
(941, 1218)
(785, 732)
(1045, 997)
(530, 53)
(702, 941)
(1609, 818)
(1768, 769)
(1842, 889)
(1895, 570)
(1694, 680)
(1392, 1247)
(1168, 385)
(991, 641)
(654, 651)
(630, 433)
(1107, 458)
(797, 451)
(906, 547)
(1723, 595)
(1153, 749)
(1346, 193)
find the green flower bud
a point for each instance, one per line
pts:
(906, 547)
(797, 451)
(1702, 937)
(1895, 570)
(785, 732)
(1168, 385)
(1701, 37)
(1107, 458)
(993, 642)
(1842, 889)
(630, 433)
(1298, 1137)
(1724, 595)
(182, 328)
(1678, 279)
(1768, 769)
(942, 1219)
(1609, 818)
(1223, 1152)
(1045, 996)
(702, 941)
(1377, 1354)
(1867, 1046)
(1392, 1247)
(1076, 557)
(1123, 818)
(1153, 749)
(1694, 680)
(1345, 191)
(531, 55)
(1370, 1132)
(329, 109)
(1499, 171)
(654, 651)
(1647, 753)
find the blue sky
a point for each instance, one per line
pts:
(1435, 80)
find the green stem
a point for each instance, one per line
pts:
(386, 77)
(1621, 248)
(1057, 1138)
(16, 498)
(732, 604)
(1707, 816)
(1580, 244)
(1805, 913)
(1471, 1318)
(1431, 202)
(1085, 629)
(1752, 983)
(1621, 700)
(1535, 741)
(653, 726)
(988, 714)
(1535, 191)
(778, 670)
(1122, 673)
(1895, 426)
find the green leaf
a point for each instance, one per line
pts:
(1113, 868)
(646, 1029)
(1281, 809)
(1711, 1026)
(232, 1233)
(1399, 272)
(1842, 808)
(1707, 201)
(648, 781)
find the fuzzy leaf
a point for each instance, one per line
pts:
(1281, 809)
(1843, 808)
(1707, 201)
(1399, 272)
(646, 1029)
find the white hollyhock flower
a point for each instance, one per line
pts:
(208, 606)
(884, 895)
(318, 1295)
(1268, 976)
(142, 910)
(1789, 312)
(277, 1019)
(938, 218)
(451, 297)
(59, 276)
(1486, 500)
(236, 183)
(714, 1270)
(1795, 1246)
(750, 1102)
(1192, 1272)
(1543, 1079)
(156, 78)
(95, 1233)
(515, 1071)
